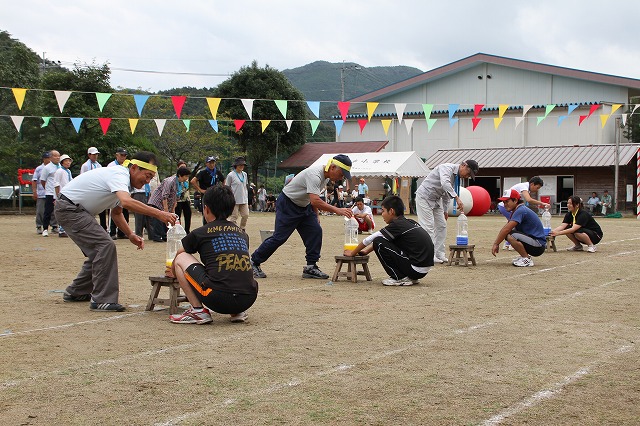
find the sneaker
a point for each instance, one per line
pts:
(575, 248)
(69, 298)
(241, 317)
(257, 271)
(38, 230)
(313, 272)
(524, 261)
(45, 233)
(54, 229)
(109, 307)
(591, 249)
(63, 235)
(507, 246)
(516, 259)
(437, 260)
(114, 237)
(403, 281)
(443, 259)
(191, 317)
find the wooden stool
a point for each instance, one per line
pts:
(174, 293)
(352, 272)
(457, 252)
(551, 243)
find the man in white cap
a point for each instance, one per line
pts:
(92, 164)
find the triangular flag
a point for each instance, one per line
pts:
(452, 121)
(133, 123)
(525, 109)
(540, 119)
(582, 118)
(453, 108)
(371, 108)
(518, 120)
(635, 108)
(214, 104)
(289, 123)
(282, 107)
(187, 124)
(62, 96)
(102, 99)
(76, 121)
(428, 109)
(476, 110)
(496, 122)
(561, 119)
(624, 120)
(571, 108)
(104, 124)
(400, 111)
(314, 106)
(264, 123)
(314, 126)
(593, 109)
(344, 109)
(248, 106)
(502, 108)
(614, 108)
(17, 121)
(140, 100)
(45, 121)
(214, 124)
(338, 124)
(239, 124)
(19, 95)
(160, 122)
(475, 122)
(408, 123)
(178, 103)
(385, 125)
(604, 118)
(362, 123)
(430, 123)
(548, 109)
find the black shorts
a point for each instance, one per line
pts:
(531, 245)
(218, 301)
(595, 238)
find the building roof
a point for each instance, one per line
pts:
(480, 58)
(538, 157)
(310, 152)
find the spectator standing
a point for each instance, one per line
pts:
(47, 180)
(61, 179)
(205, 178)
(38, 193)
(251, 196)
(236, 180)
(183, 207)
(363, 189)
(262, 198)
(121, 157)
(165, 198)
(92, 164)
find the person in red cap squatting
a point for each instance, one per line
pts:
(297, 208)
(523, 231)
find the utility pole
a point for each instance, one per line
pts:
(343, 70)
(44, 63)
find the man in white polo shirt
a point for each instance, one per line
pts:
(84, 197)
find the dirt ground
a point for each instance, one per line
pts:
(490, 344)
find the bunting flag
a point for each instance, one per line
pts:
(428, 109)
(62, 96)
(408, 123)
(314, 126)
(476, 110)
(518, 120)
(214, 125)
(430, 123)
(502, 108)
(160, 122)
(289, 123)
(453, 108)
(525, 109)
(548, 109)
(19, 94)
(604, 118)
(140, 100)
(582, 118)
(362, 123)
(214, 104)
(45, 121)
(264, 123)
(371, 108)
(593, 109)
(104, 124)
(102, 99)
(344, 109)
(314, 106)
(562, 118)
(614, 108)
(178, 103)
(17, 121)
(248, 106)
(133, 123)
(385, 125)
(540, 120)
(76, 121)
(475, 122)
(571, 108)
(635, 108)
(496, 122)
(239, 124)
(187, 124)
(338, 124)
(282, 107)
(400, 111)
(624, 120)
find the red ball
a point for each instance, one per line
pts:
(481, 200)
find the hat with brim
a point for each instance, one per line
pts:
(65, 157)
(473, 166)
(508, 194)
(344, 162)
(240, 161)
(121, 151)
(210, 159)
(93, 150)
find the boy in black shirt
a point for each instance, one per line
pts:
(224, 280)
(404, 248)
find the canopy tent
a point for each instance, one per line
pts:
(383, 164)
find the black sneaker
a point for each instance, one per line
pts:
(257, 271)
(313, 272)
(108, 307)
(69, 298)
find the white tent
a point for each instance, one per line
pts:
(383, 164)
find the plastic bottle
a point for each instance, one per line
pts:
(462, 237)
(175, 234)
(350, 233)
(546, 221)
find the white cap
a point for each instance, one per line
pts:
(64, 157)
(93, 150)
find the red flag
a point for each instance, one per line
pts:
(362, 123)
(475, 121)
(476, 110)
(178, 103)
(239, 124)
(344, 109)
(104, 123)
(582, 118)
(593, 109)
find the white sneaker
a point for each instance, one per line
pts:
(45, 233)
(507, 246)
(575, 248)
(443, 259)
(591, 249)
(516, 259)
(403, 281)
(241, 317)
(524, 261)
(437, 260)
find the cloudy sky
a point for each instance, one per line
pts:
(211, 38)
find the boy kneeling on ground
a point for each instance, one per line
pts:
(404, 248)
(225, 283)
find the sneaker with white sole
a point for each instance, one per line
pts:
(190, 316)
(241, 317)
(591, 249)
(516, 259)
(507, 246)
(45, 233)
(437, 260)
(257, 271)
(66, 297)
(401, 282)
(575, 248)
(106, 307)
(523, 262)
(443, 259)
(38, 230)
(312, 271)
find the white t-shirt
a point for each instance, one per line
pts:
(62, 178)
(96, 190)
(366, 210)
(48, 174)
(262, 194)
(236, 181)
(88, 165)
(309, 181)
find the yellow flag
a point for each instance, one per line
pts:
(603, 119)
(371, 107)
(614, 108)
(496, 122)
(133, 122)
(214, 103)
(502, 108)
(265, 123)
(19, 95)
(385, 125)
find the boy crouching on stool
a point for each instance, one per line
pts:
(404, 248)
(224, 281)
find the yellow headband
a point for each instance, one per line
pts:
(337, 163)
(142, 164)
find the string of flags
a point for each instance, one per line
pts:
(62, 96)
